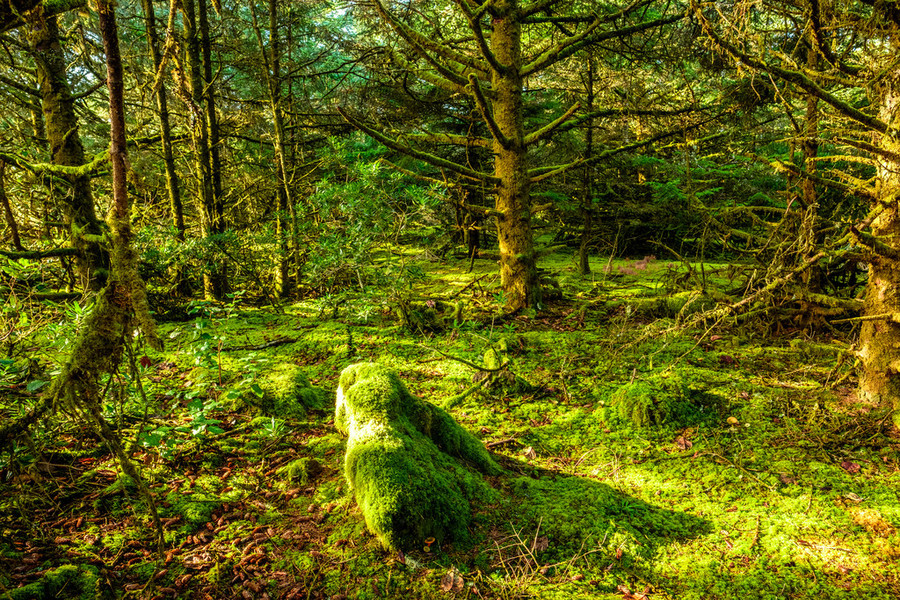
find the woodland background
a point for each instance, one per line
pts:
(677, 222)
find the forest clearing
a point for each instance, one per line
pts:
(459, 299)
(765, 479)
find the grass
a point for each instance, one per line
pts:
(764, 483)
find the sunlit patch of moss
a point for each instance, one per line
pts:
(194, 512)
(114, 541)
(575, 513)
(300, 471)
(81, 582)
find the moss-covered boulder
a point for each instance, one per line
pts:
(408, 462)
(282, 391)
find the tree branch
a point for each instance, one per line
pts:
(548, 130)
(11, 11)
(475, 24)
(424, 46)
(873, 244)
(447, 138)
(92, 168)
(39, 254)
(431, 159)
(572, 44)
(797, 78)
(474, 88)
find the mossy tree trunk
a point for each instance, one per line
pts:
(272, 63)
(518, 268)
(879, 381)
(587, 185)
(66, 149)
(7, 211)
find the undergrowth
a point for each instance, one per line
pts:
(639, 455)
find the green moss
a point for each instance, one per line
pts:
(402, 460)
(66, 581)
(281, 391)
(663, 399)
(300, 470)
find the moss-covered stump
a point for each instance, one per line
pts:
(408, 462)
(430, 315)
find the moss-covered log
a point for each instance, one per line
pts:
(407, 461)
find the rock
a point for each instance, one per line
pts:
(283, 391)
(408, 462)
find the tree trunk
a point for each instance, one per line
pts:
(518, 271)
(812, 277)
(219, 272)
(213, 279)
(173, 186)
(879, 381)
(7, 211)
(587, 187)
(285, 200)
(61, 127)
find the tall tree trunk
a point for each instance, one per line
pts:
(61, 126)
(272, 65)
(212, 118)
(173, 186)
(219, 273)
(812, 277)
(213, 279)
(587, 184)
(7, 210)
(879, 381)
(518, 271)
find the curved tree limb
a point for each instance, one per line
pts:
(431, 159)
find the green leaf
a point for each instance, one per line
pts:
(35, 385)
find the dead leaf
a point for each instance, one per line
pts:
(683, 443)
(541, 544)
(787, 479)
(452, 581)
(529, 453)
(850, 467)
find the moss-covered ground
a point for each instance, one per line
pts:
(647, 453)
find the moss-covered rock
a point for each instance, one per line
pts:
(283, 391)
(407, 460)
(663, 399)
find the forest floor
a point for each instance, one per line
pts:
(646, 454)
